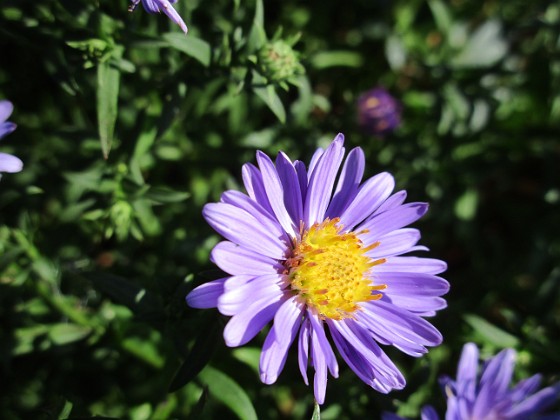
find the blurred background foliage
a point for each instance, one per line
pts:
(97, 254)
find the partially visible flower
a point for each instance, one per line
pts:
(8, 163)
(157, 6)
(378, 112)
(325, 263)
(490, 396)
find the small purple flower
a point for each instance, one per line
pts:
(8, 163)
(312, 259)
(157, 6)
(378, 112)
(489, 396)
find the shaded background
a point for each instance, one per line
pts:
(97, 255)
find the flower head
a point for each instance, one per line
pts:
(157, 6)
(279, 61)
(378, 112)
(8, 163)
(311, 259)
(489, 396)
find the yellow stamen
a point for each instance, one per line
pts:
(330, 271)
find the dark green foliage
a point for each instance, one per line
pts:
(127, 127)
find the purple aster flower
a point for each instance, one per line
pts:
(489, 396)
(312, 259)
(8, 163)
(157, 6)
(378, 112)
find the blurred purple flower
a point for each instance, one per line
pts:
(311, 260)
(378, 112)
(489, 396)
(157, 6)
(8, 163)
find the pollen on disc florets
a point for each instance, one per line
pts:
(330, 270)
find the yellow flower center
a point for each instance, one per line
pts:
(330, 270)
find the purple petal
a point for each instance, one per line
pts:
(235, 259)
(467, 371)
(243, 326)
(275, 192)
(206, 295)
(151, 6)
(266, 219)
(365, 357)
(6, 109)
(302, 178)
(397, 242)
(241, 291)
(348, 183)
(412, 264)
(279, 340)
(536, 403)
(392, 202)
(303, 349)
(322, 356)
(253, 182)
(292, 192)
(525, 387)
(420, 305)
(394, 219)
(172, 14)
(6, 128)
(370, 196)
(412, 284)
(494, 382)
(400, 326)
(241, 228)
(429, 413)
(10, 164)
(322, 181)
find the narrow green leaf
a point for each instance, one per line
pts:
(225, 389)
(196, 411)
(163, 195)
(257, 36)
(194, 47)
(490, 332)
(66, 410)
(108, 79)
(199, 356)
(269, 96)
(127, 293)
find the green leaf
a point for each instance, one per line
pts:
(269, 96)
(441, 14)
(196, 411)
(162, 195)
(225, 389)
(194, 47)
(490, 332)
(199, 356)
(128, 293)
(108, 79)
(316, 412)
(327, 59)
(61, 334)
(249, 355)
(257, 36)
(66, 410)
